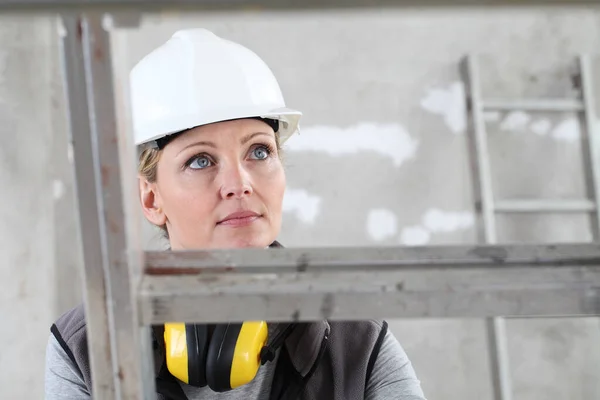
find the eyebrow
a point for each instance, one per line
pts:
(201, 143)
(251, 136)
(243, 141)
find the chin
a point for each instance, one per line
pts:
(246, 240)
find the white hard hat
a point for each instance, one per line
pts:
(198, 78)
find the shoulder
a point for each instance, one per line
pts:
(70, 333)
(392, 373)
(68, 351)
(391, 352)
(70, 324)
(63, 378)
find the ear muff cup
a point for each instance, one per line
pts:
(234, 354)
(223, 356)
(220, 356)
(197, 343)
(186, 347)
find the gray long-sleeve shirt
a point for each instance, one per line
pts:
(392, 377)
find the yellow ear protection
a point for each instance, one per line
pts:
(221, 357)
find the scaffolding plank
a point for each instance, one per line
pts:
(438, 293)
(154, 5)
(284, 260)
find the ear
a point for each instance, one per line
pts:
(151, 202)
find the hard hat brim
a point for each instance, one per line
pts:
(288, 117)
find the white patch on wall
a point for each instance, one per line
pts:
(515, 121)
(414, 236)
(381, 224)
(436, 220)
(450, 103)
(567, 131)
(491, 116)
(58, 189)
(305, 206)
(541, 127)
(390, 140)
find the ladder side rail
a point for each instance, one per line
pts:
(481, 170)
(129, 341)
(499, 358)
(94, 285)
(591, 140)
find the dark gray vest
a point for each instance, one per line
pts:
(318, 361)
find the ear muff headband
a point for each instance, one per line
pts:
(197, 340)
(220, 355)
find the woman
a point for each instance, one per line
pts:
(209, 119)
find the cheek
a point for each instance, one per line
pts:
(187, 199)
(274, 183)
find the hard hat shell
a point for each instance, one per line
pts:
(198, 78)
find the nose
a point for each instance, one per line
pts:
(236, 182)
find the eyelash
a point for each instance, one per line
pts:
(267, 146)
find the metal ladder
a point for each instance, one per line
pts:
(126, 290)
(488, 206)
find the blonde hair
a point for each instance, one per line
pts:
(148, 163)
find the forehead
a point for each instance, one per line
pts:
(235, 130)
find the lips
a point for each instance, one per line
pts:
(240, 218)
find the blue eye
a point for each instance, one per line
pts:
(200, 162)
(260, 152)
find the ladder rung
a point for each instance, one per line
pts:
(532, 206)
(350, 283)
(542, 206)
(533, 105)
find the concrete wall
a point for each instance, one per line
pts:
(383, 160)
(28, 219)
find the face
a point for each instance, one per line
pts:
(218, 186)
